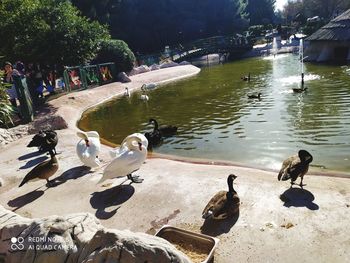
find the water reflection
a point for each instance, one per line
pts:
(217, 120)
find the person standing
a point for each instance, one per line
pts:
(10, 72)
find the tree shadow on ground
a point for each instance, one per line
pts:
(298, 197)
(110, 197)
(70, 174)
(23, 200)
(33, 162)
(217, 227)
(29, 155)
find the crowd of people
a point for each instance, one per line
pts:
(39, 79)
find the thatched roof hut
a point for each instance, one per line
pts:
(332, 41)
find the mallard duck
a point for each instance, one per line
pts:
(128, 161)
(246, 78)
(126, 92)
(43, 170)
(165, 130)
(116, 151)
(45, 140)
(223, 204)
(88, 148)
(255, 96)
(295, 166)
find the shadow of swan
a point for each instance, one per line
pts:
(110, 197)
(71, 174)
(298, 197)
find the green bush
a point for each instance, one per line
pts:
(116, 51)
(6, 110)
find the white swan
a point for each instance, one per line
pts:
(126, 92)
(88, 148)
(129, 160)
(118, 150)
(148, 86)
(144, 97)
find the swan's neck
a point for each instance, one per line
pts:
(155, 125)
(230, 185)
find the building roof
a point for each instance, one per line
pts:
(336, 30)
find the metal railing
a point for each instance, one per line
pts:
(83, 77)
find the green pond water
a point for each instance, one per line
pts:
(216, 119)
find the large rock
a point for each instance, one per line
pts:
(169, 64)
(77, 238)
(183, 63)
(48, 122)
(123, 77)
(139, 70)
(154, 67)
(12, 134)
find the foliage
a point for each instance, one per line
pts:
(118, 52)
(149, 25)
(49, 32)
(298, 11)
(6, 110)
(260, 12)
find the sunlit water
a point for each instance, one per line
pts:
(216, 119)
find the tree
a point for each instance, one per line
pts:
(149, 25)
(260, 11)
(48, 32)
(116, 51)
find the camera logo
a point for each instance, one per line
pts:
(17, 243)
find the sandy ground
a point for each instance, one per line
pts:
(176, 192)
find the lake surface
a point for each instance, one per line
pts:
(216, 119)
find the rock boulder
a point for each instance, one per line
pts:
(77, 238)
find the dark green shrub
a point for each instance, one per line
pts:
(116, 51)
(6, 110)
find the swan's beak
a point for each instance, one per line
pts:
(140, 146)
(87, 143)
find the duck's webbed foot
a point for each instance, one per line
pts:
(135, 178)
(291, 184)
(301, 185)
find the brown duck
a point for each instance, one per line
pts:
(295, 166)
(43, 170)
(223, 204)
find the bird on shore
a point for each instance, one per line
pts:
(118, 150)
(127, 161)
(43, 170)
(45, 140)
(295, 166)
(165, 130)
(223, 204)
(88, 148)
(255, 96)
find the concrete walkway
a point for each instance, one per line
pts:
(311, 227)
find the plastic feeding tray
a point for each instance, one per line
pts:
(197, 247)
